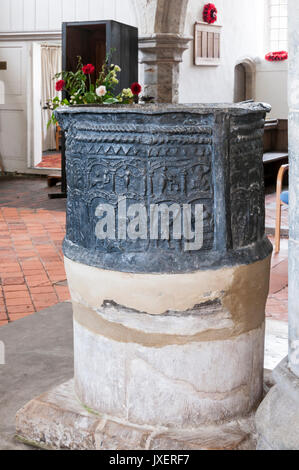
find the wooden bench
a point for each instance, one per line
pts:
(275, 147)
(270, 157)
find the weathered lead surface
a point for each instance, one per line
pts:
(209, 155)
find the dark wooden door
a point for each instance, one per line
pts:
(93, 40)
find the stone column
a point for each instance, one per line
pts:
(278, 417)
(161, 56)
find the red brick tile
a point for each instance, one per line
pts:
(63, 293)
(277, 282)
(15, 288)
(12, 281)
(31, 264)
(23, 243)
(13, 274)
(3, 322)
(277, 309)
(35, 281)
(57, 277)
(11, 302)
(50, 258)
(21, 294)
(13, 309)
(7, 270)
(44, 297)
(52, 265)
(34, 272)
(26, 254)
(42, 290)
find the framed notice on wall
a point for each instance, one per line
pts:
(207, 44)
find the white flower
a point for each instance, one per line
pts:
(117, 68)
(101, 91)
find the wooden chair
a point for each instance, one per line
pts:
(58, 136)
(280, 201)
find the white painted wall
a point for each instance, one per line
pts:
(47, 15)
(272, 87)
(242, 36)
(29, 17)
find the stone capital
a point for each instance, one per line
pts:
(163, 47)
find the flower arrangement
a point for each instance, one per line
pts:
(82, 90)
(276, 56)
(210, 13)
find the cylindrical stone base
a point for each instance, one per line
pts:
(169, 351)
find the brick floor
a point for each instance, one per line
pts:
(29, 193)
(32, 273)
(277, 305)
(50, 160)
(32, 228)
(31, 261)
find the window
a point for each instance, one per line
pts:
(278, 25)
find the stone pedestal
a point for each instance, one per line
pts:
(168, 326)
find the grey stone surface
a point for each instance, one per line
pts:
(200, 155)
(277, 419)
(294, 186)
(39, 356)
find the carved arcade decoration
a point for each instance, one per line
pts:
(153, 158)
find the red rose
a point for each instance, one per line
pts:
(136, 88)
(59, 85)
(88, 69)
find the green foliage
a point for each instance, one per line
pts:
(80, 90)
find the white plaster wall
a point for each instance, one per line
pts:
(272, 87)
(242, 36)
(30, 17)
(47, 15)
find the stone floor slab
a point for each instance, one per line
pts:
(38, 357)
